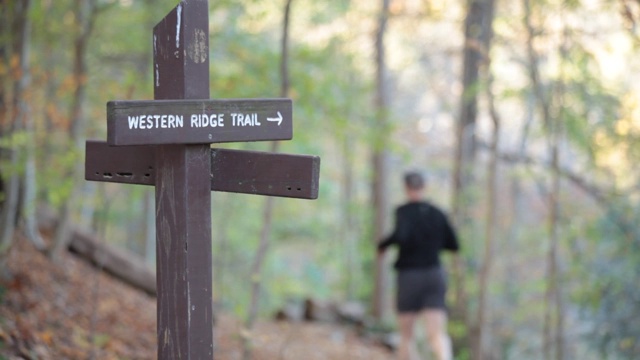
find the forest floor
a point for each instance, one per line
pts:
(74, 311)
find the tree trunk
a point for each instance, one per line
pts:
(553, 299)
(478, 33)
(20, 42)
(149, 232)
(222, 261)
(348, 222)
(149, 195)
(490, 227)
(552, 329)
(554, 272)
(552, 307)
(534, 77)
(9, 213)
(29, 184)
(85, 15)
(49, 109)
(267, 217)
(380, 201)
(511, 293)
(3, 101)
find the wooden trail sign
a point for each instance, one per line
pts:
(172, 134)
(198, 121)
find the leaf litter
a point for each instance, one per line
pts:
(74, 311)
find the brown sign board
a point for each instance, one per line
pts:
(120, 164)
(156, 122)
(238, 171)
(263, 173)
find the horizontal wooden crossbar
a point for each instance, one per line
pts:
(246, 172)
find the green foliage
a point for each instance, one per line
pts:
(331, 79)
(611, 269)
(587, 106)
(325, 107)
(15, 142)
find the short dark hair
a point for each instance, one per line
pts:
(414, 180)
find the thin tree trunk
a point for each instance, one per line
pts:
(491, 225)
(380, 201)
(149, 227)
(3, 110)
(348, 221)
(478, 33)
(256, 271)
(29, 184)
(265, 233)
(8, 215)
(511, 294)
(86, 12)
(552, 329)
(552, 333)
(555, 273)
(5, 77)
(48, 104)
(553, 297)
(20, 111)
(149, 195)
(474, 53)
(222, 257)
(464, 153)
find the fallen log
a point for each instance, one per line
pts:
(317, 310)
(120, 264)
(349, 312)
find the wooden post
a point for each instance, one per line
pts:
(175, 156)
(183, 195)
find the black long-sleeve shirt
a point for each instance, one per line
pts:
(421, 232)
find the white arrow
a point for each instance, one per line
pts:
(278, 119)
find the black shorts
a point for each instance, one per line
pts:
(419, 289)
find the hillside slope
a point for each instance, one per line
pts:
(73, 311)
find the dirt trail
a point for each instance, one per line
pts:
(72, 311)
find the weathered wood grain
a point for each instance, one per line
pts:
(238, 171)
(183, 195)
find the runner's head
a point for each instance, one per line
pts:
(414, 184)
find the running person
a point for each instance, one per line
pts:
(421, 232)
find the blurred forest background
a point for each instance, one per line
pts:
(524, 114)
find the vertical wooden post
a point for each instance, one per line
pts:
(183, 194)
